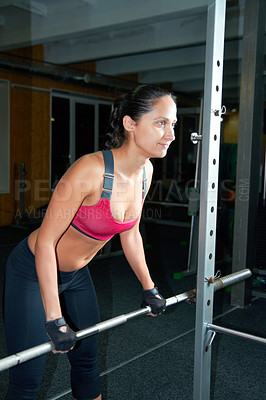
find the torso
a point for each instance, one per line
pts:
(74, 250)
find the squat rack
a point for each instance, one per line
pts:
(205, 330)
(212, 111)
(206, 283)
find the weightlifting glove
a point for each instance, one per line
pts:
(157, 305)
(63, 341)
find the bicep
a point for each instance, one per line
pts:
(130, 237)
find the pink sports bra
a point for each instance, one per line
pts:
(97, 221)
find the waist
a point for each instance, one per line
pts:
(22, 261)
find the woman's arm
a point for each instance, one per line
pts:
(132, 245)
(81, 180)
(133, 248)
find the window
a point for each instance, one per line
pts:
(78, 126)
(60, 138)
(84, 129)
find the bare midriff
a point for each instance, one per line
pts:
(74, 250)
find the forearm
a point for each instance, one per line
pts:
(133, 249)
(46, 267)
(62, 336)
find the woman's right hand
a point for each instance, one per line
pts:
(62, 336)
(154, 300)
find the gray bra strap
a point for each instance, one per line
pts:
(109, 174)
(144, 183)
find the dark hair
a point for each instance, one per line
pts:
(135, 104)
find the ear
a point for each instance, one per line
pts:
(128, 123)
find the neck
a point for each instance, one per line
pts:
(129, 162)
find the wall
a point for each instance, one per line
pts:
(30, 136)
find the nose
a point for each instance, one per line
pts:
(170, 133)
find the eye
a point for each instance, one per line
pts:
(161, 123)
(174, 124)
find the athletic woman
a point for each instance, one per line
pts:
(100, 195)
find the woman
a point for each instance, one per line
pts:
(100, 195)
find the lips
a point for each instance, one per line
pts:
(164, 145)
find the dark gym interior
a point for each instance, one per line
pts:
(61, 67)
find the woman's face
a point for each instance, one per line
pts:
(154, 132)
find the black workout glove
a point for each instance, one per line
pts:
(158, 305)
(62, 341)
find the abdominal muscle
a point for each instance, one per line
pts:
(74, 250)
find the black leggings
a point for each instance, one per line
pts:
(24, 319)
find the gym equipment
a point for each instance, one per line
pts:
(210, 151)
(26, 355)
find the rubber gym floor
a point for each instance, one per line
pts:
(152, 358)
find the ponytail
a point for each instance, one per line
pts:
(115, 134)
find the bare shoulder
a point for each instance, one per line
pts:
(83, 178)
(87, 166)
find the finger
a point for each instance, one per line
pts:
(61, 352)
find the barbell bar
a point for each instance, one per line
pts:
(28, 354)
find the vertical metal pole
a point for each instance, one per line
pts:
(194, 228)
(208, 194)
(249, 146)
